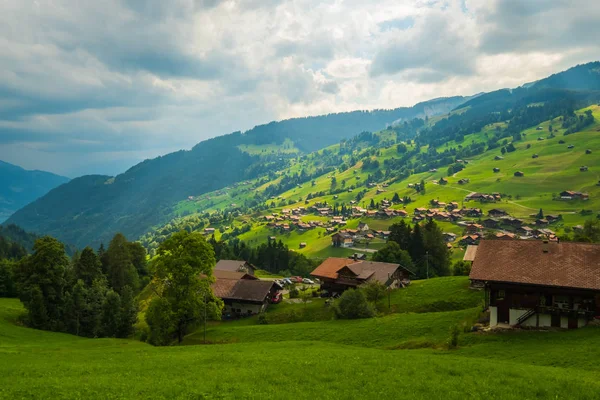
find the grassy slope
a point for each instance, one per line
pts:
(43, 365)
(556, 169)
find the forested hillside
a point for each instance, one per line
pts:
(19, 187)
(91, 209)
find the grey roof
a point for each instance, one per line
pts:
(250, 290)
(233, 265)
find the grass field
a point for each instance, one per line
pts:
(326, 360)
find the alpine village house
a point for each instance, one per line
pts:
(339, 274)
(535, 283)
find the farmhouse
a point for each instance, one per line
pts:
(209, 231)
(339, 274)
(496, 169)
(519, 173)
(342, 239)
(496, 212)
(572, 195)
(235, 266)
(583, 168)
(243, 294)
(539, 283)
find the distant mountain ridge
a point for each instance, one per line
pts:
(19, 187)
(90, 209)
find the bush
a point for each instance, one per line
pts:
(353, 305)
(461, 268)
(294, 293)
(454, 334)
(262, 319)
(374, 291)
(315, 293)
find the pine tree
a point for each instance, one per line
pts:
(372, 204)
(111, 314)
(540, 214)
(121, 271)
(128, 313)
(88, 266)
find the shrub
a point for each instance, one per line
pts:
(461, 268)
(294, 293)
(374, 291)
(262, 319)
(353, 305)
(454, 334)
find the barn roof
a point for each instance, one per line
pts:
(470, 253)
(563, 264)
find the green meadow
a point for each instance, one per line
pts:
(402, 354)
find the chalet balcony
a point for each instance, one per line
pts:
(566, 312)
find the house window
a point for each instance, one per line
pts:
(500, 295)
(561, 302)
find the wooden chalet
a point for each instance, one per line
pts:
(538, 283)
(243, 294)
(339, 274)
(342, 239)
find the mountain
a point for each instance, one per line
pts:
(19, 187)
(91, 209)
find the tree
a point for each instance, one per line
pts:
(374, 290)
(503, 150)
(438, 256)
(111, 314)
(400, 233)
(159, 317)
(41, 283)
(392, 253)
(88, 266)
(372, 204)
(416, 245)
(121, 272)
(461, 268)
(8, 286)
(183, 271)
(128, 313)
(540, 214)
(396, 198)
(422, 186)
(353, 304)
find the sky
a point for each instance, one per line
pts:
(93, 87)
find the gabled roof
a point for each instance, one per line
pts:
(364, 270)
(470, 253)
(221, 274)
(233, 265)
(565, 264)
(250, 290)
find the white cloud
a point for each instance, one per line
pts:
(118, 80)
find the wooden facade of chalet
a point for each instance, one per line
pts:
(242, 294)
(339, 274)
(538, 283)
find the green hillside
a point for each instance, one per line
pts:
(91, 209)
(555, 169)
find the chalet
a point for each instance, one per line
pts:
(496, 169)
(514, 222)
(235, 266)
(463, 181)
(588, 151)
(491, 223)
(401, 213)
(472, 212)
(473, 228)
(505, 236)
(420, 210)
(497, 158)
(449, 236)
(358, 256)
(525, 231)
(553, 218)
(539, 283)
(519, 173)
(243, 294)
(572, 195)
(451, 206)
(583, 168)
(302, 245)
(541, 222)
(443, 181)
(469, 240)
(495, 213)
(342, 239)
(534, 156)
(209, 231)
(570, 146)
(339, 274)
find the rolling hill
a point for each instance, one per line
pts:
(90, 209)
(19, 187)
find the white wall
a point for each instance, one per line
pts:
(255, 308)
(493, 316)
(544, 322)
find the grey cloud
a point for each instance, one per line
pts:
(398, 23)
(432, 44)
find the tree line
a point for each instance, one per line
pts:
(421, 249)
(91, 294)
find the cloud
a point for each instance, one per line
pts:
(97, 86)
